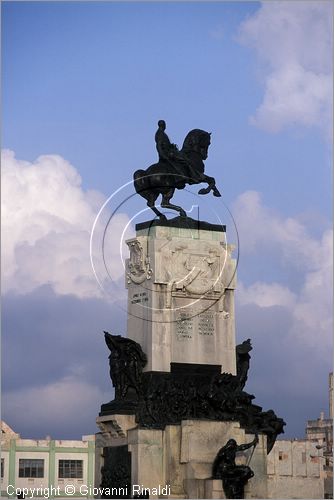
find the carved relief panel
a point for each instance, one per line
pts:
(138, 267)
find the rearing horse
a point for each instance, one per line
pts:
(185, 167)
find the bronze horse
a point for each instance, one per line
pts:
(175, 169)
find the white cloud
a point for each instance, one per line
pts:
(260, 231)
(47, 219)
(293, 41)
(56, 405)
(314, 308)
(266, 295)
(264, 227)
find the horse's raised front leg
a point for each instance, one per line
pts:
(211, 186)
(165, 203)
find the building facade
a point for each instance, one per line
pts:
(331, 400)
(320, 430)
(320, 433)
(294, 470)
(48, 467)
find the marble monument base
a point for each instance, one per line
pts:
(175, 462)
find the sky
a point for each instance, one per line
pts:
(83, 87)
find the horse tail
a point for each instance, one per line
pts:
(140, 181)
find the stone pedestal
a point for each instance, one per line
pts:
(179, 459)
(214, 489)
(179, 377)
(181, 278)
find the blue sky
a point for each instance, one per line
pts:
(84, 84)
(86, 80)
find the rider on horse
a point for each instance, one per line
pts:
(175, 169)
(170, 153)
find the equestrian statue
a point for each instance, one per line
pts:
(175, 169)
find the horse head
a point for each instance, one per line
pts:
(197, 141)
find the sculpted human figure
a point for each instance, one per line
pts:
(234, 476)
(166, 150)
(126, 361)
(243, 359)
(170, 153)
(175, 169)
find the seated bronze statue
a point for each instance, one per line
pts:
(234, 477)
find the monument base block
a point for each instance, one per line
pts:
(175, 462)
(181, 424)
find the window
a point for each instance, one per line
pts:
(280, 455)
(2, 467)
(70, 469)
(31, 467)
